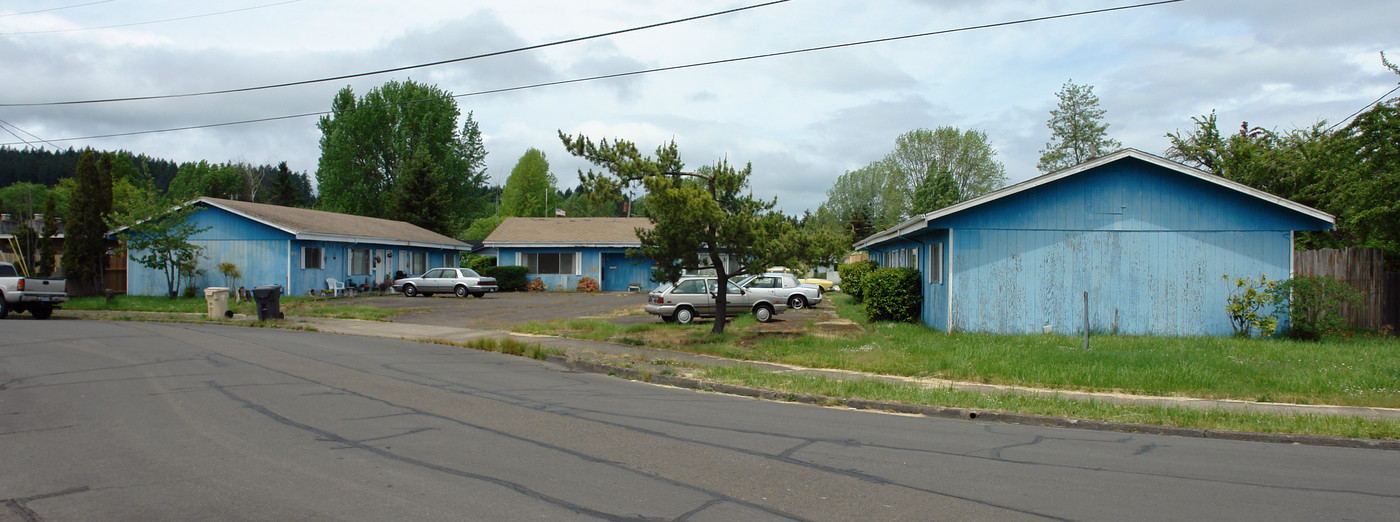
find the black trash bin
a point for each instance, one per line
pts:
(268, 298)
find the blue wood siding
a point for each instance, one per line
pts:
(1158, 283)
(267, 255)
(593, 262)
(619, 272)
(1149, 244)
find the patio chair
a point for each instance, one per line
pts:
(335, 287)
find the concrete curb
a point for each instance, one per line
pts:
(968, 414)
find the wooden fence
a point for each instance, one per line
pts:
(1364, 270)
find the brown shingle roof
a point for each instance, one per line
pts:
(566, 231)
(319, 224)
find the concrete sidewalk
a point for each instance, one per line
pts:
(640, 356)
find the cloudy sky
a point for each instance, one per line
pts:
(801, 119)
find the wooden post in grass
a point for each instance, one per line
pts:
(1086, 320)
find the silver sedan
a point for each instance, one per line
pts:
(459, 281)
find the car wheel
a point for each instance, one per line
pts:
(685, 316)
(797, 302)
(4, 308)
(763, 313)
(479, 295)
(461, 291)
(410, 290)
(42, 312)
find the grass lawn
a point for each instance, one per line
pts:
(1359, 371)
(339, 308)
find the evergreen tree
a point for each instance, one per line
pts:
(84, 237)
(48, 239)
(419, 199)
(1077, 131)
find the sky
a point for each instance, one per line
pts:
(802, 119)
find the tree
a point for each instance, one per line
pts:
(701, 219)
(936, 192)
(1077, 131)
(529, 186)
(162, 243)
(964, 157)
(84, 243)
(364, 141)
(48, 239)
(286, 189)
(418, 200)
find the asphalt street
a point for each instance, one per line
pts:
(148, 421)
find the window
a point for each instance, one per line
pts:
(312, 257)
(550, 263)
(690, 286)
(417, 262)
(935, 263)
(359, 261)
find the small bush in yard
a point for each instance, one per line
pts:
(536, 286)
(509, 278)
(480, 264)
(852, 276)
(1314, 305)
(588, 284)
(1246, 303)
(892, 294)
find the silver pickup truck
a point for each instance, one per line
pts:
(35, 295)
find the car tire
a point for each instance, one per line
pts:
(479, 295)
(4, 307)
(797, 302)
(763, 313)
(461, 291)
(41, 312)
(668, 319)
(410, 291)
(684, 315)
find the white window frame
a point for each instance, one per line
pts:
(574, 268)
(319, 256)
(417, 262)
(935, 263)
(350, 255)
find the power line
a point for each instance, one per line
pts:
(1363, 109)
(148, 22)
(648, 71)
(55, 9)
(4, 124)
(403, 68)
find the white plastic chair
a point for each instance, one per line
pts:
(336, 287)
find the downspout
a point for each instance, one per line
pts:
(289, 267)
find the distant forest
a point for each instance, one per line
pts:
(170, 182)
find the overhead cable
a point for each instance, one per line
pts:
(647, 71)
(402, 68)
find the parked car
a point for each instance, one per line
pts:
(692, 297)
(796, 294)
(459, 281)
(38, 296)
(825, 284)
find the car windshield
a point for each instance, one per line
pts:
(662, 287)
(467, 272)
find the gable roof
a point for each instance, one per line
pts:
(567, 232)
(920, 222)
(319, 225)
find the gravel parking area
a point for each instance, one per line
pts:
(508, 309)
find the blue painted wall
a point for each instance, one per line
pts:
(1149, 245)
(601, 264)
(266, 255)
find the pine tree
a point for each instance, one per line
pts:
(47, 240)
(1077, 131)
(83, 244)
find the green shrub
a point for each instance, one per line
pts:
(509, 278)
(852, 275)
(1314, 305)
(481, 263)
(892, 294)
(1246, 303)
